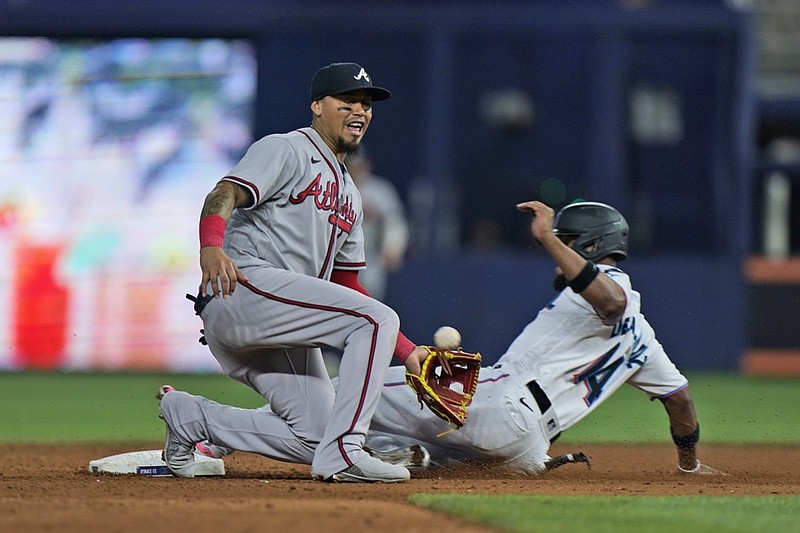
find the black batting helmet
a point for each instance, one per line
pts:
(599, 230)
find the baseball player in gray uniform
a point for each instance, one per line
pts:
(281, 246)
(582, 346)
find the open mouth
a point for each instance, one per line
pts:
(355, 127)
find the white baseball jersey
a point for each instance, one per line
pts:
(561, 367)
(305, 220)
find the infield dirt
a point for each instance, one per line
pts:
(49, 488)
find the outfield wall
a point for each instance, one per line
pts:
(697, 305)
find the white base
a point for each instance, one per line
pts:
(149, 463)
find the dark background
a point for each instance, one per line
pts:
(691, 193)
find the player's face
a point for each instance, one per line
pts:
(343, 119)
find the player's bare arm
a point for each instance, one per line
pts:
(224, 198)
(217, 268)
(607, 298)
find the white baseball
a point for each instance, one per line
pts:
(447, 338)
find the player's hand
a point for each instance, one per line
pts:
(542, 221)
(220, 271)
(414, 361)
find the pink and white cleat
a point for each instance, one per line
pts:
(163, 389)
(204, 447)
(212, 450)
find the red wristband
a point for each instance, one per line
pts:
(212, 231)
(403, 347)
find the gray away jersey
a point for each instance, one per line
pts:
(306, 212)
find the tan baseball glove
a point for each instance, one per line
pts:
(447, 382)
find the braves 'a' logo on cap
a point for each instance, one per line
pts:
(362, 75)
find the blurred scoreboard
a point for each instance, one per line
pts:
(107, 149)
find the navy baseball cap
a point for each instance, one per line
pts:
(339, 78)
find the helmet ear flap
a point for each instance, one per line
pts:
(597, 244)
(587, 246)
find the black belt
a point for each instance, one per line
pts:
(539, 395)
(544, 404)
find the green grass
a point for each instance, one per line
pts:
(78, 407)
(66, 407)
(612, 514)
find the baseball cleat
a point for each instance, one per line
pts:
(414, 456)
(574, 457)
(163, 389)
(372, 470)
(203, 447)
(208, 449)
(178, 455)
